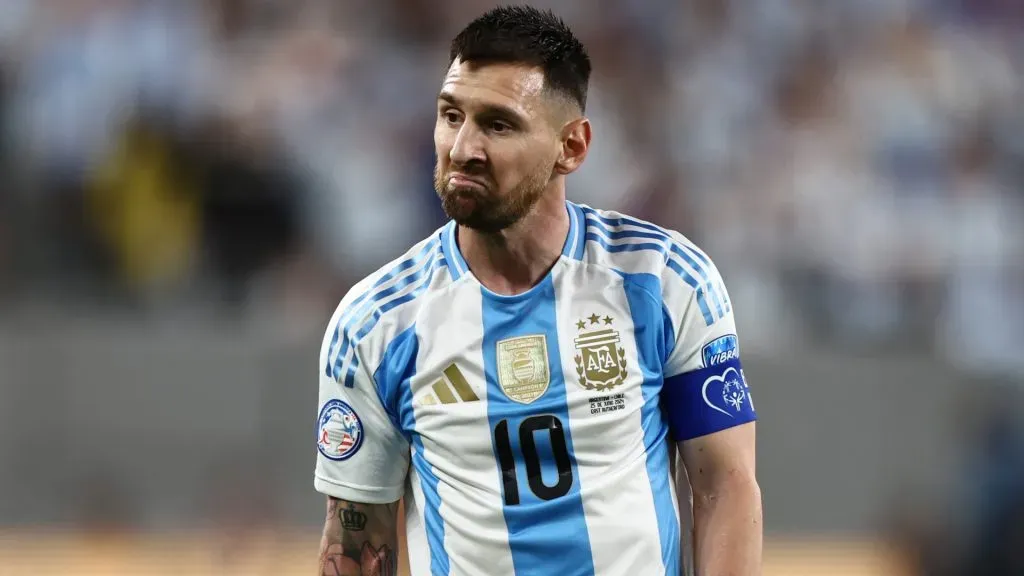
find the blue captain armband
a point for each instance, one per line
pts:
(707, 400)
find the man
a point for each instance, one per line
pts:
(516, 375)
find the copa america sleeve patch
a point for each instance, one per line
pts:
(339, 432)
(708, 400)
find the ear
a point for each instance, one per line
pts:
(575, 144)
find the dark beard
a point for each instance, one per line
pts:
(487, 213)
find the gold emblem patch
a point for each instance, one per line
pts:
(600, 361)
(523, 367)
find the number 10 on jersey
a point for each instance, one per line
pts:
(529, 430)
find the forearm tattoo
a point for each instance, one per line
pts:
(359, 539)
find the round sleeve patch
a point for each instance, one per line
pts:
(339, 431)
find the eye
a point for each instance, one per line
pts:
(499, 127)
(450, 116)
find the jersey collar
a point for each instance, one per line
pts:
(575, 242)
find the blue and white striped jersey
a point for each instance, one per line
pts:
(530, 434)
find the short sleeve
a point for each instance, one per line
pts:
(705, 390)
(361, 455)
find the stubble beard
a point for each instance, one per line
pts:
(486, 211)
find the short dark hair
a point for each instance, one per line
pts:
(526, 35)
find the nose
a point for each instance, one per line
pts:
(468, 146)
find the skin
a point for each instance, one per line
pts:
(505, 143)
(727, 513)
(359, 539)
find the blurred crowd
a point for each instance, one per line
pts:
(855, 168)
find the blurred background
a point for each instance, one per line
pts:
(188, 187)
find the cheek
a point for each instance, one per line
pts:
(539, 166)
(442, 142)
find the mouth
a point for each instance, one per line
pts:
(461, 180)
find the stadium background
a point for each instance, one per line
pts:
(187, 188)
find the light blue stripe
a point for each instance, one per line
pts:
(545, 536)
(423, 277)
(655, 232)
(658, 231)
(581, 234)
(346, 317)
(709, 317)
(396, 370)
(681, 250)
(439, 563)
(716, 300)
(397, 366)
(574, 240)
(684, 251)
(653, 335)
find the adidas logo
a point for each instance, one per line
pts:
(451, 389)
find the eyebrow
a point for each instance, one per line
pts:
(492, 109)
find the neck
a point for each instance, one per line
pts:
(514, 260)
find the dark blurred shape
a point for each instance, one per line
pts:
(248, 205)
(6, 192)
(995, 545)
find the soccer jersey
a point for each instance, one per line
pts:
(531, 434)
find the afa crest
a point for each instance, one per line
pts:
(600, 360)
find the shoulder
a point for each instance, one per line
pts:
(624, 242)
(383, 304)
(681, 270)
(409, 275)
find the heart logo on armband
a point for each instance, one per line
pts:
(726, 393)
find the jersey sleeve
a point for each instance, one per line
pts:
(361, 454)
(705, 390)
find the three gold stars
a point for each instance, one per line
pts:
(594, 320)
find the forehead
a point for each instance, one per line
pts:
(515, 86)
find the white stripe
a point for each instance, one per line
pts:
(469, 486)
(416, 527)
(622, 500)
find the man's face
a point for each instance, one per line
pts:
(497, 141)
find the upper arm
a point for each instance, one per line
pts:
(705, 390)
(361, 454)
(720, 458)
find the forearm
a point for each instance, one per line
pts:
(359, 539)
(728, 530)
